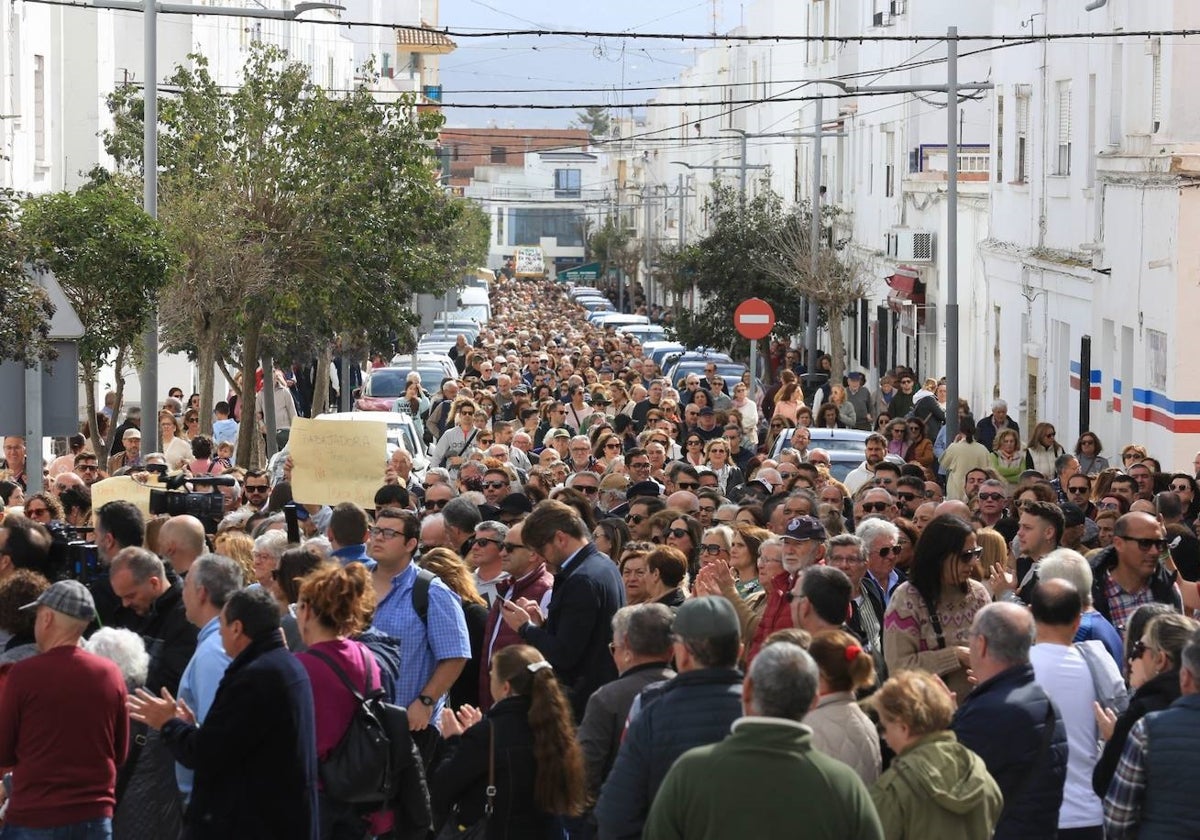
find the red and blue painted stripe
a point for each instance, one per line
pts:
(1095, 376)
(1149, 406)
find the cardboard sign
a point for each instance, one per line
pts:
(121, 488)
(337, 461)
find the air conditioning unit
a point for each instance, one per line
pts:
(883, 19)
(899, 7)
(909, 245)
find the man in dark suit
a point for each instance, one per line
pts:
(986, 428)
(575, 632)
(255, 755)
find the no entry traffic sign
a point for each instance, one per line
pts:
(754, 319)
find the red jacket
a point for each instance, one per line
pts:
(534, 585)
(776, 616)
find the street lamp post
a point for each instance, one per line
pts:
(150, 10)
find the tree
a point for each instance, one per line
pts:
(838, 281)
(326, 208)
(25, 325)
(111, 259)
(613, 245)
(595, 119)
(727, 266)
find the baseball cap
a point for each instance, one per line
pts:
(708, 617)
(1072, 514)
(801, 528)
(557, 433)
(69, 597)
(644, 488)
(131, 433)
(856, 374)
(707, 411)
(615, 481)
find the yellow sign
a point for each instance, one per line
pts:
(122, 488)
(337, 461)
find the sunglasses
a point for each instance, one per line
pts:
(990, 497)
(486, 441)
(909, 497)
(676, 532)
(875, 507)
(635, 519)
(510, 547)
(255, 488)
(587, 489)
(687, 485)
(1108, 506)
(889, 551)
(495, 485)
(36, 511)
(612, 446)
(1138, 650)
(434, 504)
(466, 412)
(1146, 544)
(712, 548)
(970, 556)
(1180, 488)
(1081, 489)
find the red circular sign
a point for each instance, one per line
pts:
(754, 319)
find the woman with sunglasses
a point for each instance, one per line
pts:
(1043, 450)
(693, 449)
(1154, 661)
(1087, 451)
(1007, 457)
(608, 448)
(883, 423)
(728, 475)
(1184, 486)
(455, 442)
(920, 447)
(715, 545)
(43, 508)
(897, 437)
(928, 619)
(683, 533)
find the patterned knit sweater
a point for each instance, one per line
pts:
(909, 640)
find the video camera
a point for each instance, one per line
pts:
(209, 508)
(72, 554)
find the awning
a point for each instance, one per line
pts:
(904, 279)
(422, 39)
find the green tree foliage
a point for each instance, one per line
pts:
(111, 259)
(26, 308)
(595, 119)
(305, 217)
(726, 267)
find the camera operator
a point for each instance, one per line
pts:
(118, 525)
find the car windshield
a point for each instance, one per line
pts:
(385, 383)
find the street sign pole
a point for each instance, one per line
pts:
(754, 319)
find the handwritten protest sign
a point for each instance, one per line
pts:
(122, 488)
(337, 461)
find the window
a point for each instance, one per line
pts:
(1115, 89)
(999, 138)
(1022, 172)
(1156, 359)
(1062, 161)
(567, 183)
(499, 154)
(889, 165)
(39, 107)
(527, 226)
(499, 223)
(1155, 85)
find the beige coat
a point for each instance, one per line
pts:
(843, 731)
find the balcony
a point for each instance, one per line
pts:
(432, 93)
(928, 163)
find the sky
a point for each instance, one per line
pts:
(527, 68)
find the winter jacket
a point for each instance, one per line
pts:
(255, 755)
(765, 781)
(461, 778)
(1004, 721)
(777, 615)
(1154, 695)
(694, 709)
(578, 627)
(1171, 809)
(496, 634)
(603, 723)
(1162, 583)
(937, 788)
(843, 731)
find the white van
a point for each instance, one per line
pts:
(475, 304)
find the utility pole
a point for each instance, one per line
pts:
(741, 167)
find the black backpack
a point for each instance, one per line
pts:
(364, 766)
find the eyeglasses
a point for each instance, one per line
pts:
(990, 497)
(970, 556)
(888, 551)
(612, 446)
(875, 507)
(635, 519)
(87, 467)
(776, 425)
(1138, 650)
(640, 465)
(466, 412)
(36, 511)
(712, 548)
(1180, 488)
(676, 532)
(1148, 544)
(1107, 506)
(436, 504)
(489, 541)
(707, 509)
(486, 441)
(687, 485)
(849, 561)
(720, 449)
(384, 533)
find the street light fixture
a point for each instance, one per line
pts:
(149, 373)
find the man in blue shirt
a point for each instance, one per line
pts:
(347, 533)
(435, 649)
(211, 580)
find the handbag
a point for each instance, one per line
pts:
(479, 829)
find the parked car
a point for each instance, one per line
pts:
(380, 389)
(850, 442)
(700, 357)
(433, 368)
(618, 319)
(659, 351)
(597, 305)
(643, 333)
(401, 434)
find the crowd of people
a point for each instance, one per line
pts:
(612, 608)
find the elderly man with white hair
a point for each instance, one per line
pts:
(1071, 566)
